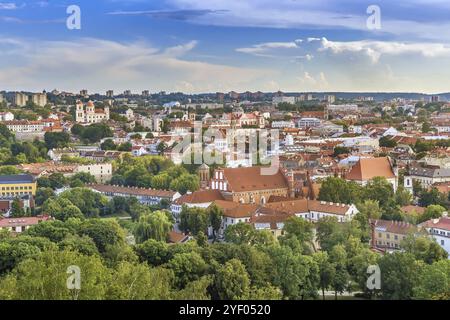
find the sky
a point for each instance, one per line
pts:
(199, 46)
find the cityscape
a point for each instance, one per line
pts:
(171, 169)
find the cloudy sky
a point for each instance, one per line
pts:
(221, 45)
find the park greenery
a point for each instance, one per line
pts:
(154, 172)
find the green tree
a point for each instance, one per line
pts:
(42, 194)
(139, 282)
(45, 278)
(103, 232)
(232, 281)
(432, 212)
(155, 253)
(108, 144)
(215, 218)
(326, 271)
(155, 225)
(17, 210)
(187, 267)
(338, 190)
(399, 273)
(194, 220)
(338, 258)
(56, 139)
(433, 282)
(423, 248)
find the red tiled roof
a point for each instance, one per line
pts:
(369, 168)
(25, 221)
(251, 179)
(202, 196)
(441, 223)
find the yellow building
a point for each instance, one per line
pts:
(17, 185)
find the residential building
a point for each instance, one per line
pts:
(17, 185)
(20, 99)
(282, 99)
(388, 234)
(19, 225)
(6, 116)
(368, 168)
(342, 107)
(439, 229)
(426, 176)
(308, 123)
(197, 199)
(234, 213)
(283, 124)
(102, 172)
(144, 195)
(39, 99)
(26, 202)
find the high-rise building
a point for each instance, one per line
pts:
(20, 99)
(434, 99)
(233, 95)
(83, 92)
(127, 93)
(110, 93)
(39, 99)
(145, 93)
(330, 98)
(220, 96)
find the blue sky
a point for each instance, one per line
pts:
(221, 45)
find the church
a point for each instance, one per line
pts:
(90, 114)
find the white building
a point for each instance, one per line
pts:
(439, 229)
(39, 99)
(20, 99)
(426, 176)
(6, 116)
(342, 107)
(308, 123)
(282, 99)
(90, 114)
(283, 124)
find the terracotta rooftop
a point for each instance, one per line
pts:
(441, 223)
(202, 196)
(177, 237)
(304, 205)
(251, 179)
(369, 168)
(26, 221)
(236, 210)
(398, 227)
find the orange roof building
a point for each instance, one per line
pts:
(368, 168)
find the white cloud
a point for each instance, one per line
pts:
(8, 6)
(372, 49)
(101, 65)
(375, 49)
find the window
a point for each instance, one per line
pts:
(442, 242)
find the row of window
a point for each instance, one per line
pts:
(17, 188)
(9, 194)
(388, 236)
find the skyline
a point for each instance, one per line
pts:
(208, 46)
